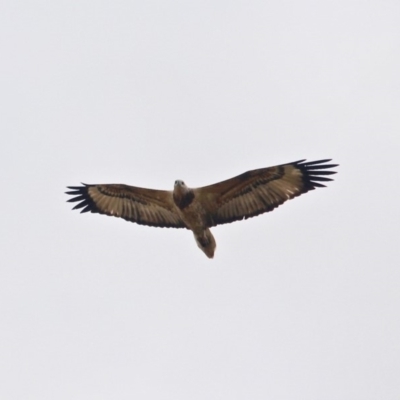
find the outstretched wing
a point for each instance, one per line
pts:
(143, 206)
(261, 190)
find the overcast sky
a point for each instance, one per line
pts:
(300, 303)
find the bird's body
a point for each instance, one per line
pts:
(241, 197)
(194, 216)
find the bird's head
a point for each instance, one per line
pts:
(182, 195)
(179, 183)
(180, 187)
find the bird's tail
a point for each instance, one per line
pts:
(206, 242)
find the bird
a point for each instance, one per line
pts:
(198, 209)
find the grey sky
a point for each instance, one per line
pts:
(301, 303)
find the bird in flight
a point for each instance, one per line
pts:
(244, 196)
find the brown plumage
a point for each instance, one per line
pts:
(244, 196)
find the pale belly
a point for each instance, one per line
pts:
(194, 217)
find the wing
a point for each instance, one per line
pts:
(140, 205)
(261, 190)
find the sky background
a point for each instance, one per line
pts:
(301, 303)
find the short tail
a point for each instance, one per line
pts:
(206, 243)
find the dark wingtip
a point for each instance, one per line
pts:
(315, 172)
(81, 195)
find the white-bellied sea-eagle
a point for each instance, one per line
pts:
(244, 196)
